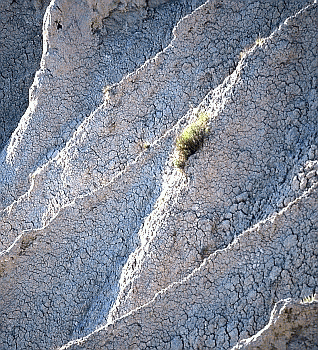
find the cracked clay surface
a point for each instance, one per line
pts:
(104, 242)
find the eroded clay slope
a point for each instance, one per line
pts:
(20, 55)
(293, 325)
(259, 155)
(60, 282)
(111, 235)
(230, 296)
(143, 106)
(88, 45)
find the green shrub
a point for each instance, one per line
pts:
(310, 299)
(191, 139)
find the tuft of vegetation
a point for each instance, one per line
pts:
(308, 300)
(258, 42)
(191, 139)
(143, 145)
(146, 145)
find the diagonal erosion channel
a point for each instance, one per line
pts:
(70, 269)
(248, 167)
(143, 106)
(231, 294)
(20, 55)
(292, 323)
(87, 46)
